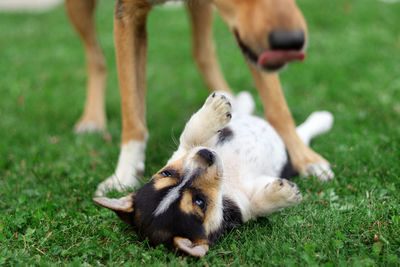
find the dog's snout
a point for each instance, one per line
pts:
(286, 40)
(207, 155)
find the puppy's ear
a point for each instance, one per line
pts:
(197, 249)
(123, 206)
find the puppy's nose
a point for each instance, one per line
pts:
(207, 155)
(286, 40)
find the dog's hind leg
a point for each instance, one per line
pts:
(81, 15)
(130, 36)
(201, 16)
(303, 159)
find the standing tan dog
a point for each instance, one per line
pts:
(270, 33)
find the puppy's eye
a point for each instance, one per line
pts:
(166, 173)
(199, 201)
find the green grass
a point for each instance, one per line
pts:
(48, 174)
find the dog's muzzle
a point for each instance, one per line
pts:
(207, 155)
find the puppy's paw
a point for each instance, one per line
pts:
(283, 193)
(217, 110)
(322, 170)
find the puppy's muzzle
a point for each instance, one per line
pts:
(205, 160)
(207, 155)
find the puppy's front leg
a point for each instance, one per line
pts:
(272, 194)
(205, 124)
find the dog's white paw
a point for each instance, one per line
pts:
(130, 166)
(321, 170)
(217, 110)
(283, 193)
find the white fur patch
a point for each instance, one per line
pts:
(317, 123)
(130, 164)
(244, 103)
(171, 196)
(28, 5)
(215, 221)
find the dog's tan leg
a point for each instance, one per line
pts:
(278, 114)
(81, 15)
(131, 49)
(201, 15)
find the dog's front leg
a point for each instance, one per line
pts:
(212, 117)
(131, 49)
(278, 114)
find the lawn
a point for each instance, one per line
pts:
(48, 174)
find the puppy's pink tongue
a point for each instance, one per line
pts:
(280, 56)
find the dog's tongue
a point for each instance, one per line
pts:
(276, 57)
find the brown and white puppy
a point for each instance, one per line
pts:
(227, 170)
(270, 33)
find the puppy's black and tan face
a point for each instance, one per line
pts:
(180, 205)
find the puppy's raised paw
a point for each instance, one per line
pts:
(217, 110)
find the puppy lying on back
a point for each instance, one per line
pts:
(228, 169)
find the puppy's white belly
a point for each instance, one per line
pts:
(253, 156)
(255, 149)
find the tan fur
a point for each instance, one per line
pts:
(208, 184)
(187, 206)
(278, 114)
(164, 183)
(266, 16)
(161, 182)
(201, 15)
(131, 49)
(81, 17)
(197, 248)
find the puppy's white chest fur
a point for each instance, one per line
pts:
(252, 154)
(253, 149)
